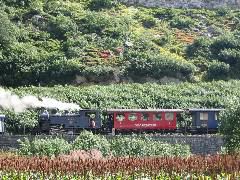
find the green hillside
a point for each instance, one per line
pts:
(59, 45)
(94, 41)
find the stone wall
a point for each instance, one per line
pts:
(199, 144)
(185, 3)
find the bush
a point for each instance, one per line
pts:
(230, 56)
(44, 146)
(230, 126)
(7, 30)
(200, 47)
(182, 22)
(158, 66)
(88, 141)
(101, 4)
(147, 20)
(225, 41)
(61, 25)
(218, 70)
(143, 146)
(104, 25)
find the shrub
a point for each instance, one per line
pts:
(104, 25)
(44, 146)
(88, 141)
(225, 41)
(158, 66)
(61, 25)
(147, 20)
(19, 3)
(143, 146)
(230, 56)
(7, 30)
(230, 126)
(200, 47)
(182, 22)
(101, 4)
(218, 70)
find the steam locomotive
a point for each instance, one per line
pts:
(130, 120)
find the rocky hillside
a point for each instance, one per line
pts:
(102, 41)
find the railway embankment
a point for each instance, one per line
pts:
(199, 144)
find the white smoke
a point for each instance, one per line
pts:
(13, 102)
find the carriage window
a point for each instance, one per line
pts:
(120, 117)
(144, 117)
(203, 116)
(157, 117)
(169, 116)
(132, 117)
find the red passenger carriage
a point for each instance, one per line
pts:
(144, 119)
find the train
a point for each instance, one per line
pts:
(117, 121)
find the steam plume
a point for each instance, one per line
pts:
(13, 102)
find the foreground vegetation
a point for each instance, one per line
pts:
(211, 167)
(112, 146)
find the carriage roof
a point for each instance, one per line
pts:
(205, 110)
(143, 110)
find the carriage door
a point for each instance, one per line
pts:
(170, 117)
(213, 120)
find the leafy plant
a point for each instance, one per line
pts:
(44, 146)
(218, 70)
(87, 141)
(143, 146)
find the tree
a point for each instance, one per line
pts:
(7, 30)
(230, 126)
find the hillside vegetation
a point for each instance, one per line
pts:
(82, 41)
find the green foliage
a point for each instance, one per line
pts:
(101, 4)
(146, 19)
(87, 141)
(225, 41)
(60, 25)
(230, 56)
(7, 30)
(218, 70)
(224, 48)
(20, 3)
(104, 25)
(144, 146)
(159, 66)
(182, 22)
(230, 126)
(44, 146)
(117, 146)
(200, 47)
(50, 42)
